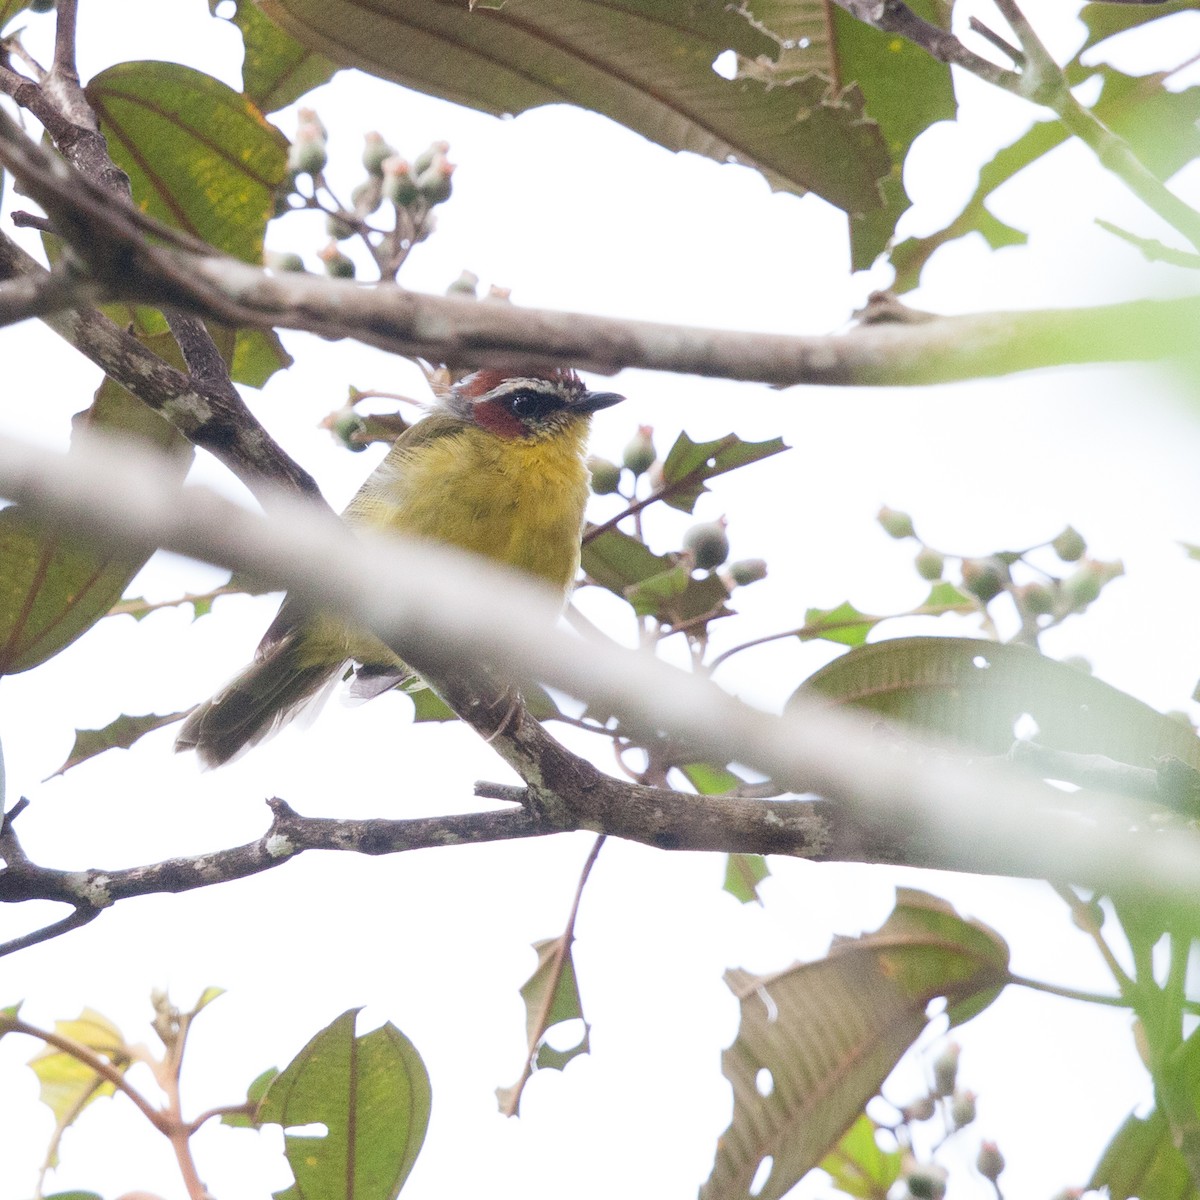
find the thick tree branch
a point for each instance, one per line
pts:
(207, 411)
(166, 272)
(439, 609)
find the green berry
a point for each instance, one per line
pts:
(467, 284)
(929, 563)
(1036, 599)
(399, 186)
(990, 1161)
(919, 1110)
(926, 1181)
(606, 476)
(375, 151)
(366, 196)
(708, 544)
(962, 1109)
(277, 261)
(337, 228)
(307, 154)
(434, 182)
(984, 577)
(640, 452)
(895, 523)
(337, 264)
(1069, 545)
(346, 426)
(746, 571)
(425, 159)
(945, 1069)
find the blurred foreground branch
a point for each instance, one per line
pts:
(439, 608)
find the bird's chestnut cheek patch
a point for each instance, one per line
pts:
(498, 419)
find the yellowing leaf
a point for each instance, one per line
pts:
(68, 1085)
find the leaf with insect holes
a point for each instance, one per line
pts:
(371, 1092)
(689, 464)
(817, 1040)
(646, 65)
(974, 691)
(551, 996)
(118, 734)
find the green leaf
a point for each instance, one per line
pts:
(844, 624)
(254, 1094)
(257, 355)
(817, 1040)
(1160, 124)
(857, 1166)
(645, 65)
(689, 464)
(429, 706)
(674, 597)
(10, 8)
(945, 597)
(1142, 1161)
(372, 1095)
(974, 691)
(616, 560)
(200, 156)
(1105, 20)
(709, 780)
(743, 874)
(277, 69)
(904, 89)
(119, 734)
(551, 996)
(53, 587)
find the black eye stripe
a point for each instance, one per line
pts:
(526, 402)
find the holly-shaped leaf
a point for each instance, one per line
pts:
(551, 996)
(743, 874)
(689, 464)
(372, 1095)
(118, 734)
(843, 624)
(817, 1040)
(67, 1085)
(675, 597)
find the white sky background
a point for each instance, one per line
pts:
(573, 212)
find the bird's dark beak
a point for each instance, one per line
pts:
(591, 402)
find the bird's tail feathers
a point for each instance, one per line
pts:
(268, 694)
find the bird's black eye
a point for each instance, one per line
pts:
(529, 405)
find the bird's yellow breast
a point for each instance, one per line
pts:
(518, 501)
